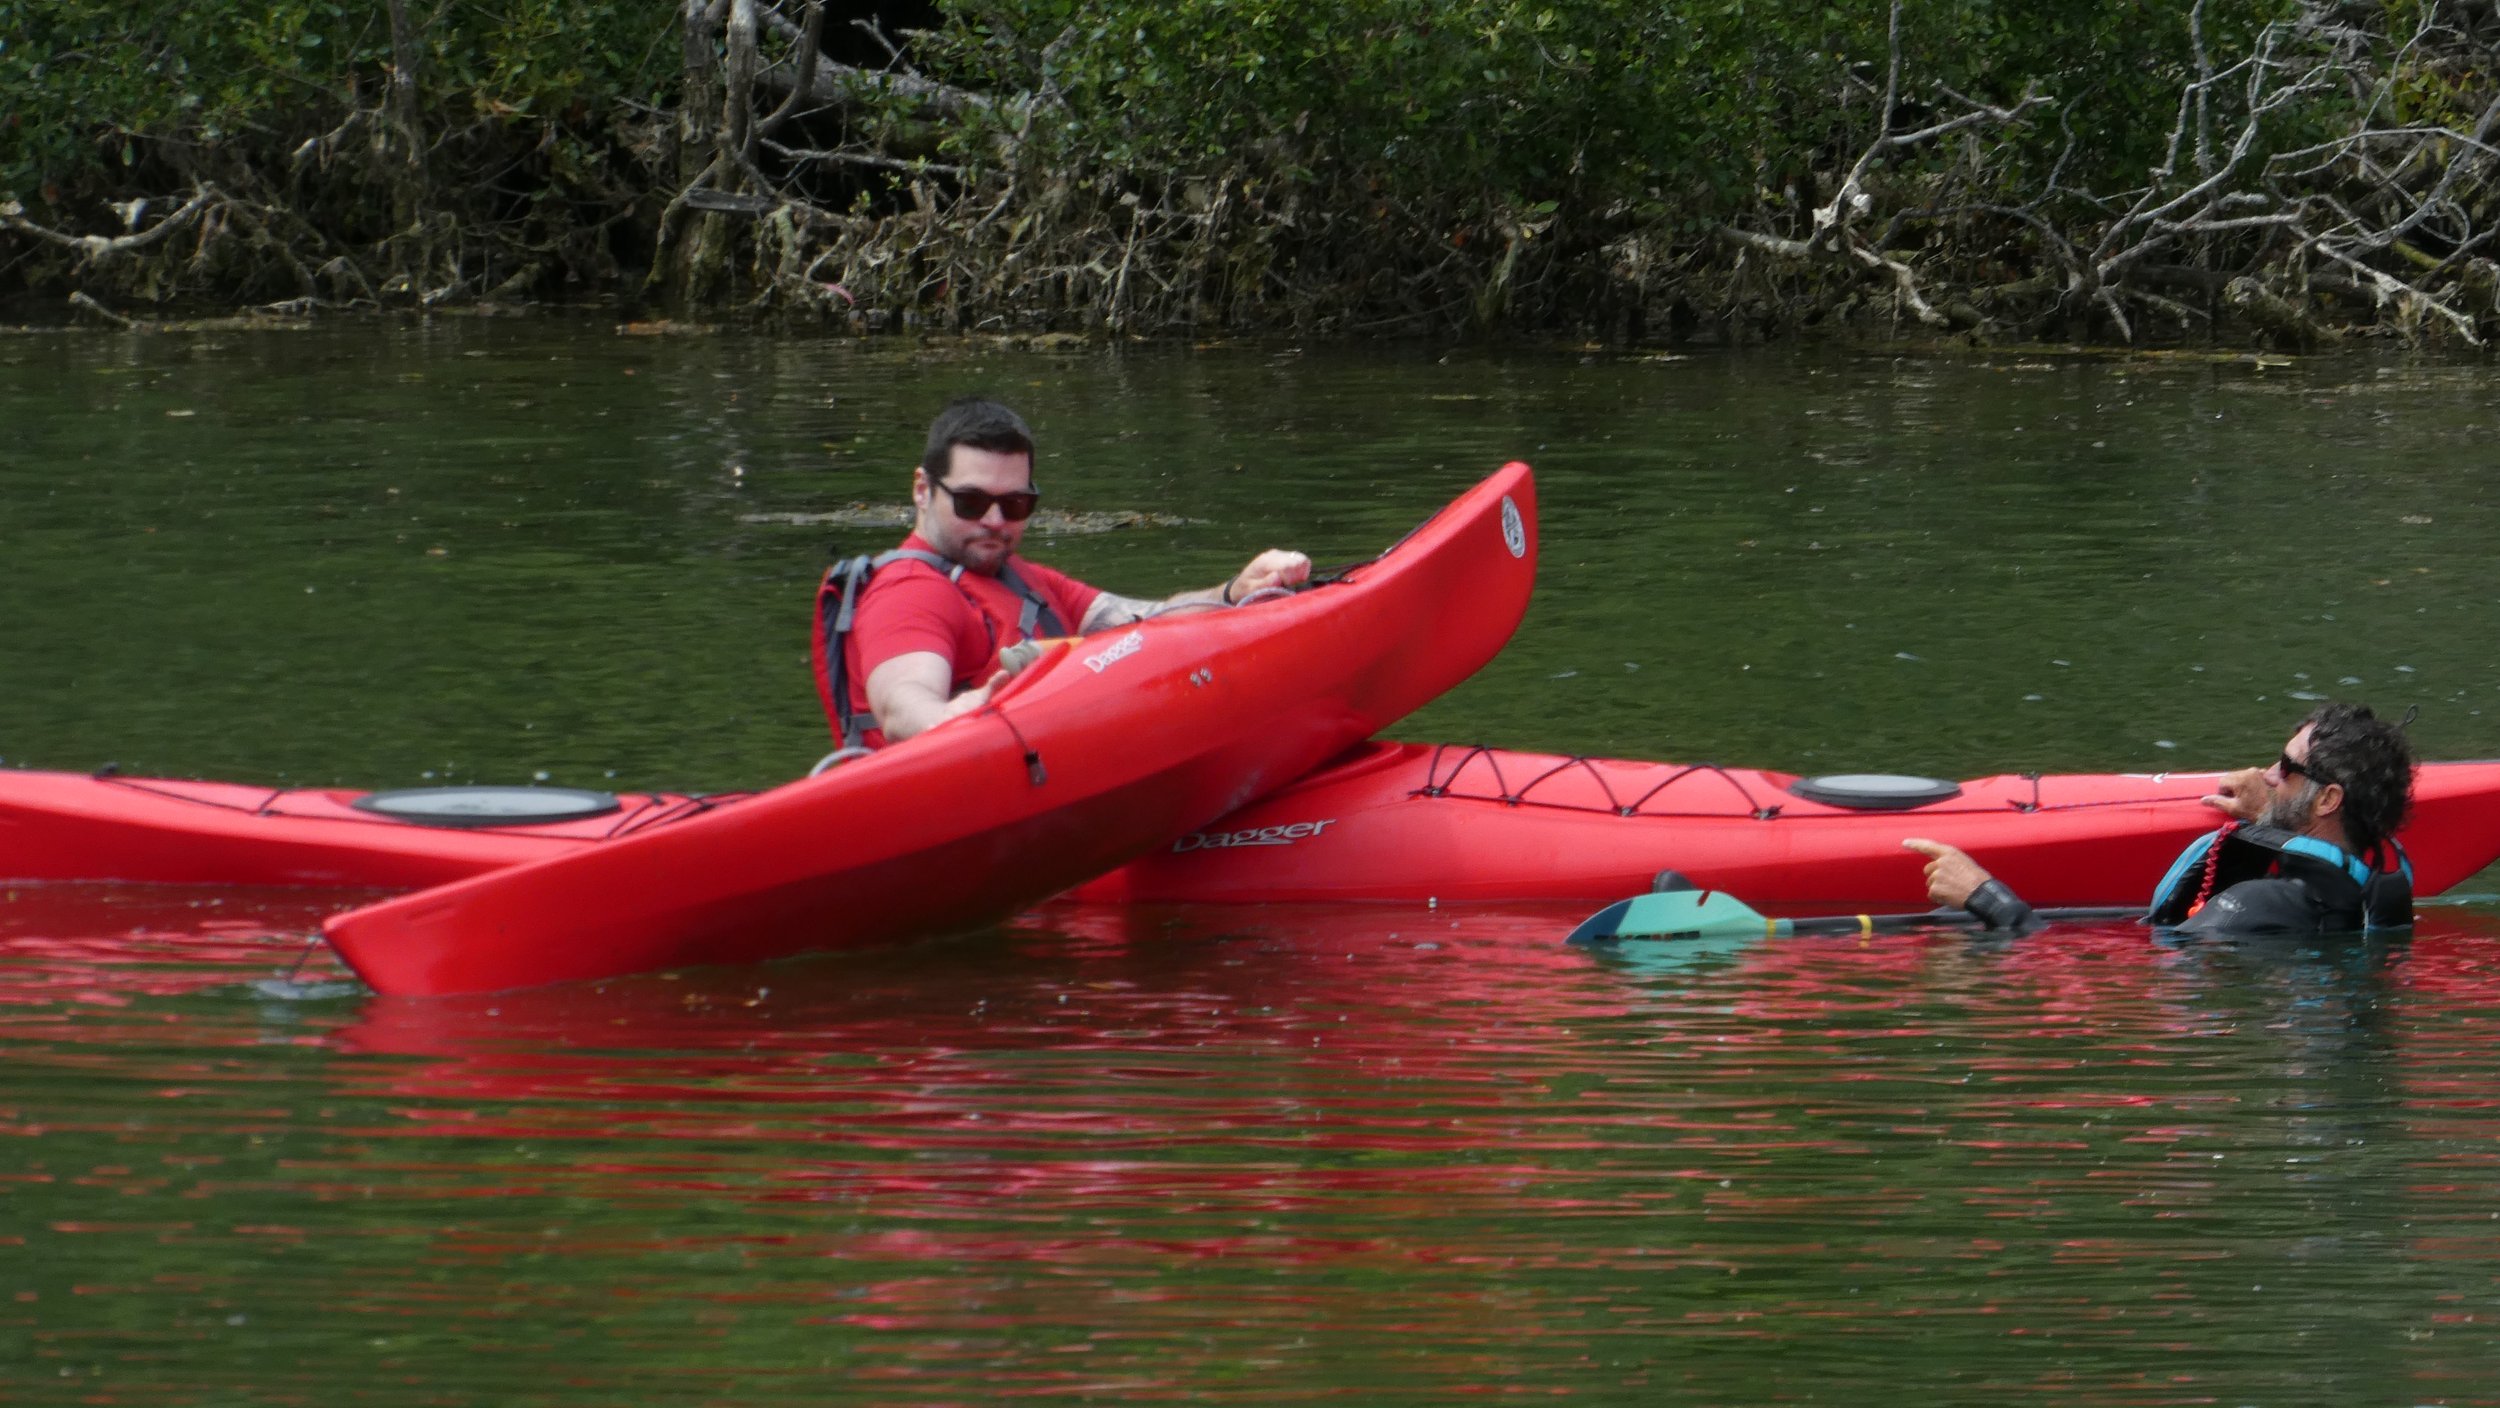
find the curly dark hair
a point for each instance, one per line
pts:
(2373, 761)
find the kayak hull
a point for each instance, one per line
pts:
(1394, 821)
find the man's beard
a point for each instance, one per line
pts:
(2291, 810)
(994, 555)
(978, 552)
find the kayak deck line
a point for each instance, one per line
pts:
(1416, 822)
(1436, 786)
(640, 810)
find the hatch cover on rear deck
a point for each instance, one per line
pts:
(1874, 791)
(488, 806)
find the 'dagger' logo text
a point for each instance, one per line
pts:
(1256, 836)
(1115, 652)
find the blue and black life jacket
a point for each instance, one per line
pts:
(2266, 880)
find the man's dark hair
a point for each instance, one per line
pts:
(976, 421)
(2372, 759)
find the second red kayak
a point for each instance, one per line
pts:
(1388, 821)
(1412, 821)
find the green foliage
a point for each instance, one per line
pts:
(546, 58)
(1607, 103)
(1422, 159)
(96, 89)
(1669, 109)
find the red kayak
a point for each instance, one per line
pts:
(153, 830)
(1101, 750)
(1411, 821)
(1389, 821)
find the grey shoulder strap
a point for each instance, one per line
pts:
(1036, 611)
(853, 573)
(856, 571)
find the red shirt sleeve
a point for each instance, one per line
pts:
(909, 607)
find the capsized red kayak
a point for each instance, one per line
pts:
(1412, 821)
(1099, 751)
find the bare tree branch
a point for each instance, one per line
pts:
(873, 160)
(846, 86)
(809, 44)
(737, 125)
(12, 216)
(2410, 302)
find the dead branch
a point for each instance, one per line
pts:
(810, 41)
(737, 123)
(1850, 200)
(845, 86)
(2410, 302)
(876, 31)
(89, 306)
(93, 247)
(874, 160)
(1833, 234)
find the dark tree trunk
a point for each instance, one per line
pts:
(410, 239)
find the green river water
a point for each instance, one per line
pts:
(1280, 1155)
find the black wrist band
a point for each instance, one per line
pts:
(1998, 906)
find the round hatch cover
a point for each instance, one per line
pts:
(1874, 791)
(488, 806)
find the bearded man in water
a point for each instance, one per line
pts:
(2310, 848)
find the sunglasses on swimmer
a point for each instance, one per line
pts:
(971, 505)
(2292, 767)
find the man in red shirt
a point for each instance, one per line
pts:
(926, 632)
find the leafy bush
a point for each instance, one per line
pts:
(1595, 103)
(97, 91)
(1386, 163)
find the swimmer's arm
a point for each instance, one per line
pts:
(1955, 881)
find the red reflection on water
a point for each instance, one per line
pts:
(1100, 1030)
(1125, 1063)
(109, 945)
(1397, 1100)
(1141, 994)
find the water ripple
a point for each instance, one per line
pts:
(1302, 1153)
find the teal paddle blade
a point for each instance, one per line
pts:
(1678, 956)
(1676, 914)
(1599, 928)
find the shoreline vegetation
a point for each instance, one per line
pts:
(2281, 175)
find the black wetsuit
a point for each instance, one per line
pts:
(2257, 880)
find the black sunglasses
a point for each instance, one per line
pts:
(972, 505)
(2294, 768)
